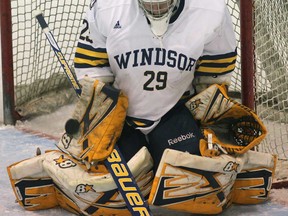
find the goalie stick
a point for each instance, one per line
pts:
(115, 163)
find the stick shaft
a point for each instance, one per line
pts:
(50, 37)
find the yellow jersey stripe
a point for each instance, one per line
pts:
(224, 60)
(92, 53)
(90, 62)
(217, 70)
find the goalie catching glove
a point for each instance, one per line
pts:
(96, 123)
(234, 128)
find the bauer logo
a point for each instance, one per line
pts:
(181, 138)
(64, 163)
(194, 105)
(231, 166)
(84, 188)
(124, 180)
(66, 140)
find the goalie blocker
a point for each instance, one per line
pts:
(96, 123)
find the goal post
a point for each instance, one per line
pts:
(9, 115)
(247, 53)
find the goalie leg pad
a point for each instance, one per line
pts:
(101, 112)
(33, 188)
(96, 193)
(61, 180)
(253, 183)
(194, 184)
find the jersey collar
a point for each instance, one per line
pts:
(178, 11)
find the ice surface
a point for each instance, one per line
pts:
(16, 145)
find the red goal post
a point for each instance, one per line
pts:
(8, 111)
(30, 71)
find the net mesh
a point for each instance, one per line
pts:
(37, 71)
(271, 44)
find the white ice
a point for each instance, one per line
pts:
(16, 145)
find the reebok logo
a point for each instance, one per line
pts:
(181, 138)
(117, 25)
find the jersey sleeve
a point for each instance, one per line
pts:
(91, 58)
(218, 59)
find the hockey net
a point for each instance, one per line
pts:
(271, 62)
(40, 84)
(271, 75)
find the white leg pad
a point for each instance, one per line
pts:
(195, 184)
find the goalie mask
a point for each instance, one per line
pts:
(158, 13)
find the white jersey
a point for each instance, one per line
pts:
(116, 40)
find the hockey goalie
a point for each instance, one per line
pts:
(154, 76)
(225, 171)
